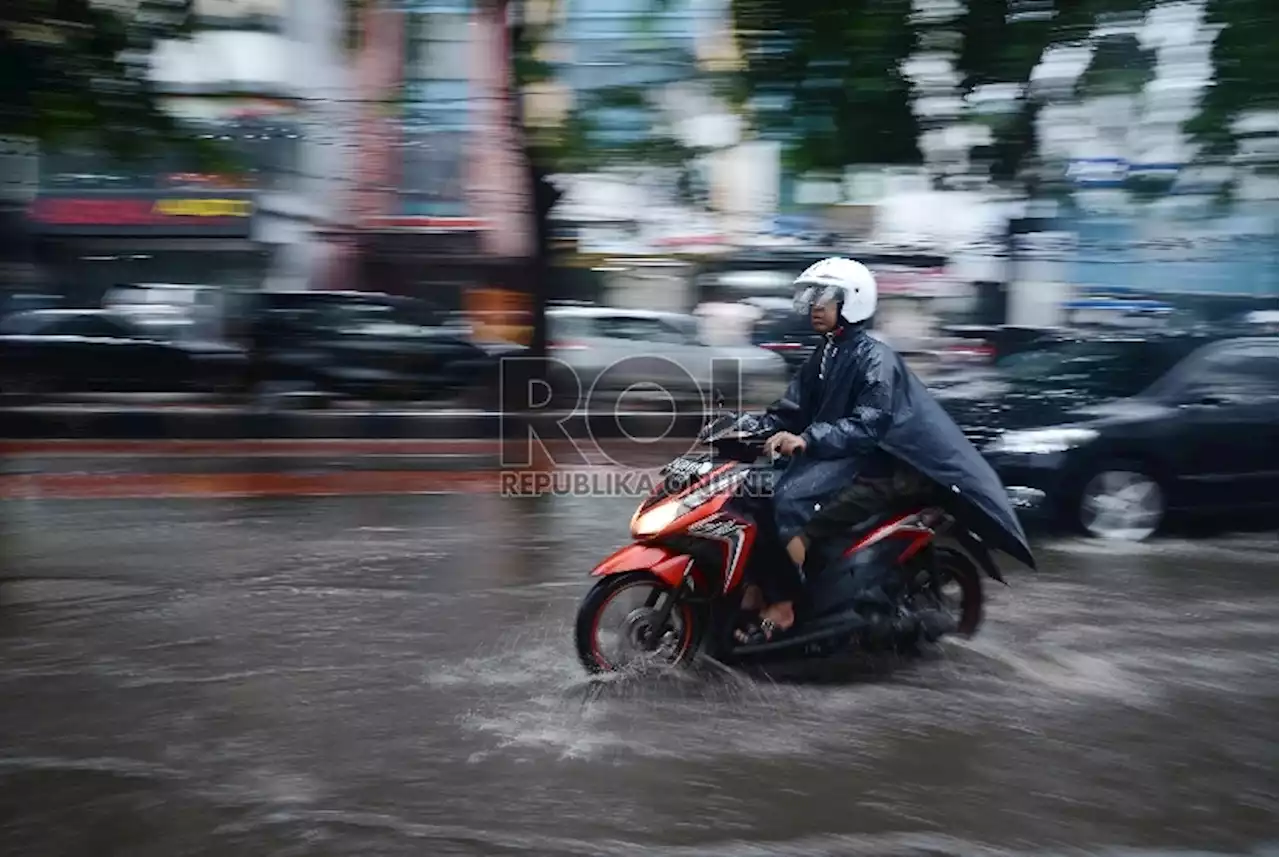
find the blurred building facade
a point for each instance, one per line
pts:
(418, 125)
(612, 45)
(98, 222)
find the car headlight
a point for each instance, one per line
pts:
(1041, 441)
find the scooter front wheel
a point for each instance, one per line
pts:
(617, 623)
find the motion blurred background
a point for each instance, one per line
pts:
(995, 160)
(261, 262)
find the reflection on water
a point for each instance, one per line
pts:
(355, 676)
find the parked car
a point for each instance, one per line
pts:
(614, 350)
(361, 344)
(58, 351)
(1112, 435)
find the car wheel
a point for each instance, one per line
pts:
(1121, 502)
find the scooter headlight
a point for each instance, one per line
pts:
(655, 520)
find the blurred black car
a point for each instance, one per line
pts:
(362, 345)
(59, 351)
(982, 344)
(1111, 434)
(786, 333)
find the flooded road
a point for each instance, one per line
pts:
(394, 676)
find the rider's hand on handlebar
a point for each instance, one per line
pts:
(784, 443)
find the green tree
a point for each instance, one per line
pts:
(826, 79)
(579, 143)
(69, 69)
(71, 73)
(1002, 42)
(1244, 71)
(647, 62)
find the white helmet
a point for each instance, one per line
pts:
(845, 281)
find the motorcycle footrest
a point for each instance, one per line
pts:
(846, 622)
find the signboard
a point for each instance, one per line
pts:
(222, 215)
(909, 281)
(1098, 172)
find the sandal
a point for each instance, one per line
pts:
(747, 622)
(766, 631)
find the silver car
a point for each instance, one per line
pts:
(628, 357)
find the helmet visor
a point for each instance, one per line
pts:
(809, 295)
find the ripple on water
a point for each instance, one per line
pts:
(1252, 546)
(530, 695)
(371, 829)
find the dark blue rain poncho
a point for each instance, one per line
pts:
(855, 400)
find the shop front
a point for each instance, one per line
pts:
(87, 242)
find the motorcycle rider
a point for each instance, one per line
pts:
(837, 411)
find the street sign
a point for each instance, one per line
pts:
(224, 215)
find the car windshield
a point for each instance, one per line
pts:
(773, 328)
(1116, 369)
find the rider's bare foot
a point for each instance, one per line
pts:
(752, 601)
(774, 619)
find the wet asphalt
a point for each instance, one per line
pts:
(372, 676)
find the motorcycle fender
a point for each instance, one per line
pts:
(666, 564)
(979, 552)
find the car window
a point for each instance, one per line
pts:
(365, 318)
(639, 329)
(1106, 368)
(561, 327)
(291, 315)
(91, 325)
(779, 327)
(682, 331)
(22, 323)
(1246, 369)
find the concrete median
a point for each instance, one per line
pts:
(212, 423)
(75, 469)
(86, 451)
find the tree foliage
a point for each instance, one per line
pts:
(827, 79)
(1244, 71)
(66, 72)
(1003, 41)
(615, 119)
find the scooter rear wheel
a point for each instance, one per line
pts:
(639, 643)
(966, 604)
